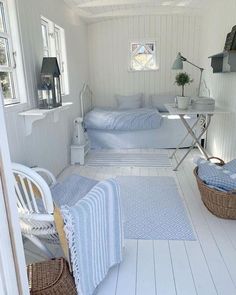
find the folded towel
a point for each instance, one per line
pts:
(93, 228)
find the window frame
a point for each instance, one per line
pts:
(60, 56)
(58, 49)
(47, 48)
(133, 54)
(11, 54)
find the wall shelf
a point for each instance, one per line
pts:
(34, 115)
(224, 62)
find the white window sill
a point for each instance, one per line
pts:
(16, 107)
(141, 71)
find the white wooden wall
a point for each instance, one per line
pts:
(48, 145)
(217, 23)
(109, 54)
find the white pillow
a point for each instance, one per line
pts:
(129, 101)
(158, 101)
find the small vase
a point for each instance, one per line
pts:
(183, 102)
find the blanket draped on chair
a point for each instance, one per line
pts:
(93, 228)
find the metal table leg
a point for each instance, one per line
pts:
(196, 139)
(183, 140)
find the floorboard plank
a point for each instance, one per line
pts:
(145, 269)
(126, 283)
(184, 281)
(165, 281)
(202, 276)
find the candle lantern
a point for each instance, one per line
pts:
(50, 89)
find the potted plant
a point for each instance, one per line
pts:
(183, 79)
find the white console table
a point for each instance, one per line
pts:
(201, 115)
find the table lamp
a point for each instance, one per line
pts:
(179, 64)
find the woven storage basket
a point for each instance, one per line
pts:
(51, 277)
(219, 203)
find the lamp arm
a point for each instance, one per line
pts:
(201, 69)
(200, 83)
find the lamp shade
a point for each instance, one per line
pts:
(50, 66)
(178, 63)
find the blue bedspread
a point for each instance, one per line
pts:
(135, 119)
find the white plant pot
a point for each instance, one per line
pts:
(183, 102)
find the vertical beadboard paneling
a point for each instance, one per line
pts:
(49, 144)
(109, 54)
(221, 136)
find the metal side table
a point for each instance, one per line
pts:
(203, 116)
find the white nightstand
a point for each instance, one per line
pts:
(78, 153)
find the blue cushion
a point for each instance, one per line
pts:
(72, 189)
(231, 166)
(216, 176)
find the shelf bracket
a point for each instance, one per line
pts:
(29, 120)
(34, 115)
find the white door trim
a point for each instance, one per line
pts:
(13, 277)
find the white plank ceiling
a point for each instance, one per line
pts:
(101, 9)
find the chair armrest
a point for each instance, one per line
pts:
(49, 175)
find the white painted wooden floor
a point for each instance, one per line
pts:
(204, 267)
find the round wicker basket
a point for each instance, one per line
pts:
(51, 277)
(219, 203)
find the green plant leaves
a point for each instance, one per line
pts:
(182, 79)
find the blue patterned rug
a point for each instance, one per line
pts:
(153, 209)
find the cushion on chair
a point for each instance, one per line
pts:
(216, 176)
(72, 189)
(130, 101)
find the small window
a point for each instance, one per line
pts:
(53, 38)
(7, 58)
(143, 56)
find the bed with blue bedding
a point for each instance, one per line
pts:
(123, 120)
(134, 128)
(131, 125)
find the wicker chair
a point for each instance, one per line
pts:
(35, 205)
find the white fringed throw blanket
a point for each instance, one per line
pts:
(93, 228)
